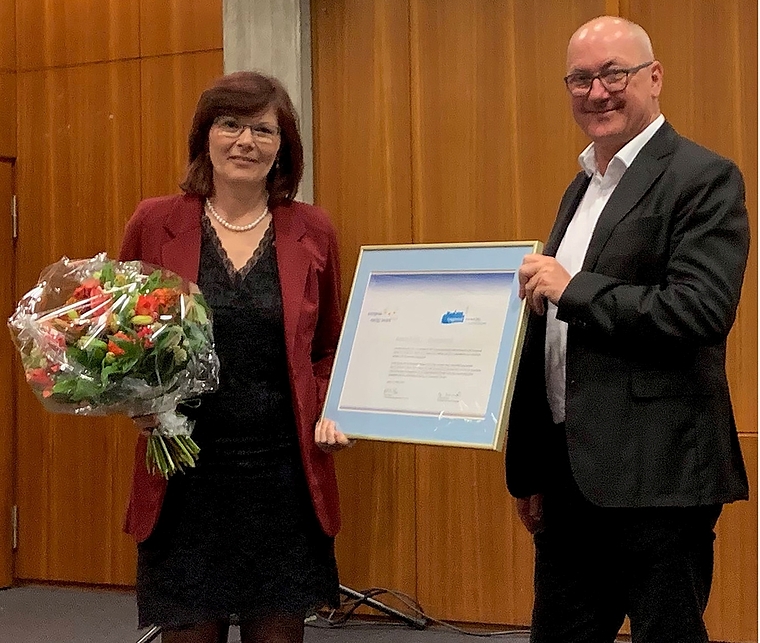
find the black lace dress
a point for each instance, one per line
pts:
(238, 534)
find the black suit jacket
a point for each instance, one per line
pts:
(648, 416)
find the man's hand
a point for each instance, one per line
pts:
(541, 277)
(531, 512)
(329, 438)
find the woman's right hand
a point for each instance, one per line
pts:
(146, 423)
(329, 438)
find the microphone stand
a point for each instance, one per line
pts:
(413, 621)
(151, 634)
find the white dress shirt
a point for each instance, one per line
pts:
(572, 252)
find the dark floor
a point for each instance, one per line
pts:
(33, 614)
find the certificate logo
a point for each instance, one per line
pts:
(380, 316)
(453, 317)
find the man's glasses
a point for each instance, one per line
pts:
(613, 80)
(231, 127)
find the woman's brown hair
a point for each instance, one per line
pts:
(245, 93)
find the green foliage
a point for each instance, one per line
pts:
(108, 274)
(76, 389)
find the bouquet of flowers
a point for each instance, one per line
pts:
(102, 337)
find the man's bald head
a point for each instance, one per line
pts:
(612, 31)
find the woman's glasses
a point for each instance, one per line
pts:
(231, 127)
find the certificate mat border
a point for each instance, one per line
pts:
(333, 396)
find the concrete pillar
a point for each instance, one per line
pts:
(274, 36)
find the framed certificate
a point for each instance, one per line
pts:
(430, 344)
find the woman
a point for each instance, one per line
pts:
(249, 531)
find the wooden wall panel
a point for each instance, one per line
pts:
(79, 180)
(71, 493)
(546, 137)
(494, 143)
(171, 86)
(463, 120)
(362, 175)
(362, 170)
(710, 95)
(8, 114)
(732, 612)
(8, 29)
(51, 34)
(7, 296)
(177, 26)
(474, 557)
(79, 175)
(376, 545)
(491, 160)
(7, 384)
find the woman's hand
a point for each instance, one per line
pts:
(329, 438)
(146, 423)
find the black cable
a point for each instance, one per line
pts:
(339, 617)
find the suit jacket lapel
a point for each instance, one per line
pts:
(648, 165)
(182, 252)
(567, 208)
(293, 261)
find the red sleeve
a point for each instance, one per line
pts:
(132, 241)
(329, 321)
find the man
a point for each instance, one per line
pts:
(622, 446)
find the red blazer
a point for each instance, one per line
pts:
(166, 231)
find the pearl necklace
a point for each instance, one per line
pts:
(236, 228)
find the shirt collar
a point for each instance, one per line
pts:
(626, 154)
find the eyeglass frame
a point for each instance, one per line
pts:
(630, 71)
(257, 135)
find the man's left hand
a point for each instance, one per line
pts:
(531, 512)
(541, 278)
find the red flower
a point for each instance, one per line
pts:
(40, 377)
(54, 338)
(92, 296)
(166, 297)
(113, 347)
(100, 303)
(147, 305)
(87, 289)
(144, 334)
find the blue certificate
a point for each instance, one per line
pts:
(430, 344)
